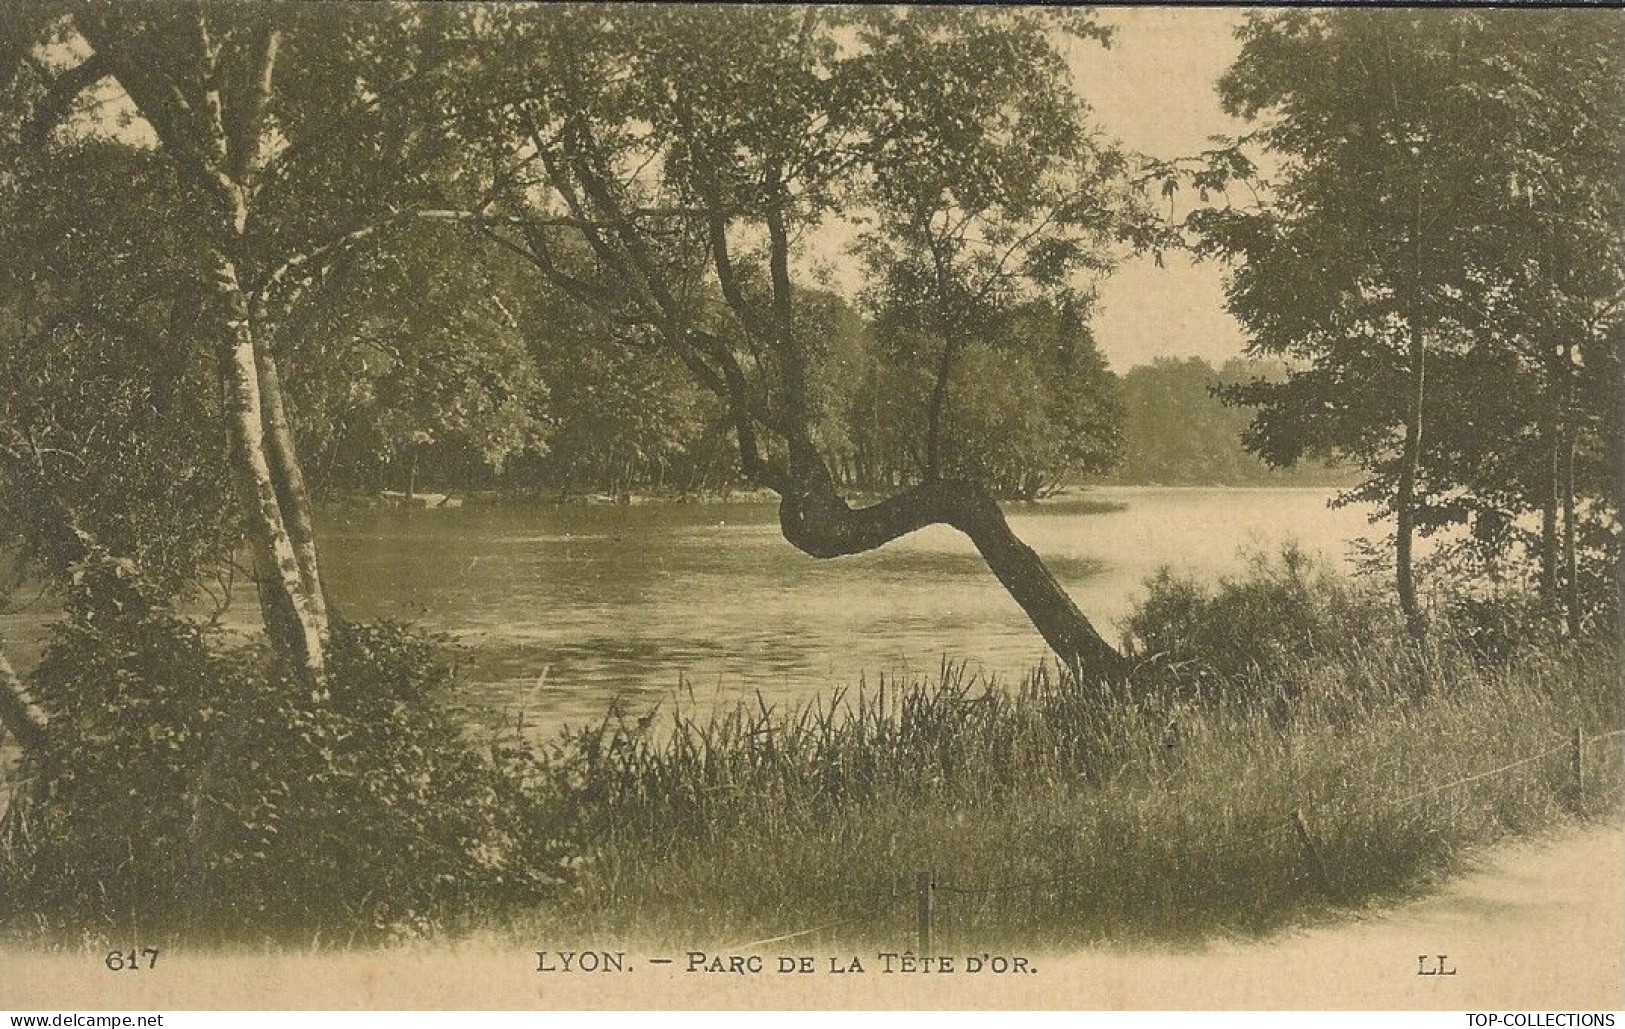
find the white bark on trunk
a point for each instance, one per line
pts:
(295, 625)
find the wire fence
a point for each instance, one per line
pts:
(928, 888)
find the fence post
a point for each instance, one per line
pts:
(1317, 868)
(1577, 760)
(924, 889)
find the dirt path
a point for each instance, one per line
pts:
(1539, 925)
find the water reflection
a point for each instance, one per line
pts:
(560, 610)
(596, 602)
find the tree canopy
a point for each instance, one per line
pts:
(1418, 251)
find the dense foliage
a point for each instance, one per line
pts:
(1433, 194)
(186, 791)
(1226, 636)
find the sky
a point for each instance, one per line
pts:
(1154, 90)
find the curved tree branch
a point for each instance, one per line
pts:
(816, 521)
(60, 96)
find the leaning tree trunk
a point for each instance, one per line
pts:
(818, 522)
(813, 516)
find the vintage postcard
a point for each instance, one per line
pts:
(587, 506)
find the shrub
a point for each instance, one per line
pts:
(186, 788)
(1490, 607)
(1280, 611)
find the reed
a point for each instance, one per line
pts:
(1054, 814)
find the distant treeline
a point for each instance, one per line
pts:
(1177, 433)
(588, 416)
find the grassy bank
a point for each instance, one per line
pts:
(1283, 751)
(1050, 816)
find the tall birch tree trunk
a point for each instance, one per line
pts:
(216, 137)
(292, 493)
(294, 625)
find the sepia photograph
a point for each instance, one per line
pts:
(584, 506)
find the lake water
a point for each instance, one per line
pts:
(565, 609)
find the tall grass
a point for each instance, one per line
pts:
(1053, 813)
(1049, 812)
